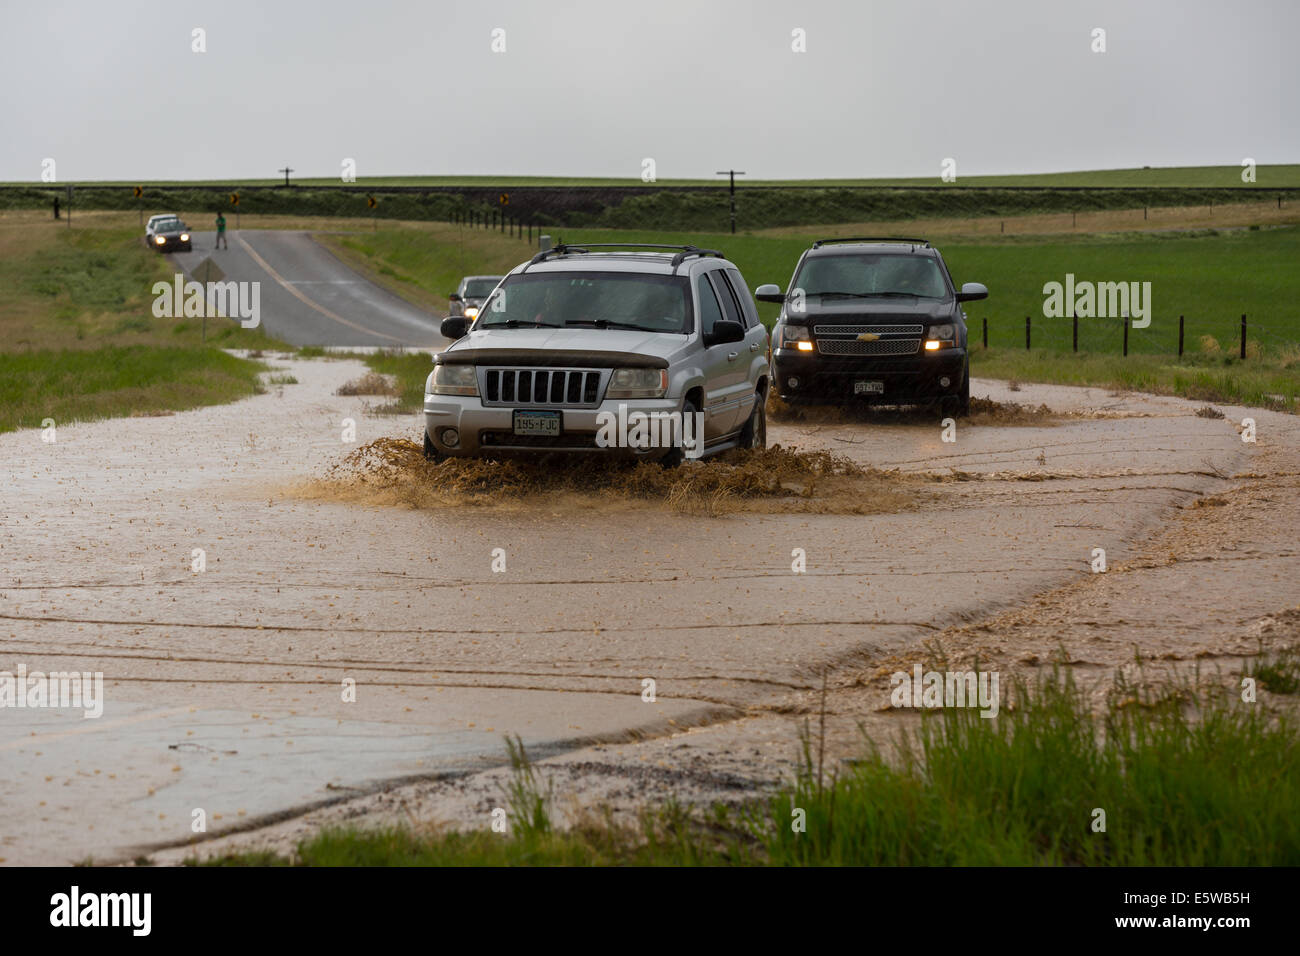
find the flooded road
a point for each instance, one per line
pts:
(274, 636)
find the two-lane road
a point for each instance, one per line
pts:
(309, 297)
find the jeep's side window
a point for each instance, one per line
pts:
(747, 308)
(709, 311)
(730, 308)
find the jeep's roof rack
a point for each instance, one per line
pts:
(905, 240)
(681, 252)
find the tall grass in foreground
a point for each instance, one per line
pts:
(1183, 777)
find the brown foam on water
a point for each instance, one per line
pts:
(393, 471)
(983, 411)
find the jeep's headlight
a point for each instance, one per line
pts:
(638, 383)
(455, 380)
(160, 239)
(471, 313)
(942, 332)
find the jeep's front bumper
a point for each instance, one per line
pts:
(488, 431)
(902, 379)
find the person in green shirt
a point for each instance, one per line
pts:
(221, 231)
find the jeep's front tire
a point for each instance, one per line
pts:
(754, 434)
(430, 452)
(676, 455)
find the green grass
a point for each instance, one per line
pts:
(88, 384)
(1184, 777)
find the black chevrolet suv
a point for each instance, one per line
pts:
(875, 320)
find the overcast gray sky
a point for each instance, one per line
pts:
(886, 88)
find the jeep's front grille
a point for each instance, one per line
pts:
(553, 387)
(859, 329)
(878, 347)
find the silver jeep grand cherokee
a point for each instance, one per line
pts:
(581, 338)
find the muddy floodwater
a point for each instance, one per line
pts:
(313, 619)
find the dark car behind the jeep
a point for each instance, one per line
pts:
(874, 320)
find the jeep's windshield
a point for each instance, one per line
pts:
(868, 275)
(480, 288)
(599, 300)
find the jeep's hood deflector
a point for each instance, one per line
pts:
(569, 348)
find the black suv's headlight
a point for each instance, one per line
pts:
(795, 337)
(941, 337)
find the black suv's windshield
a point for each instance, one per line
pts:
(865, 275)
(480, 288)
(599, 300)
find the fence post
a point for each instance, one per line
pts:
(1076, 331)
(1125, 320)
(986, 331)
(1026, 333)
(1180, 336)
(1243, 335)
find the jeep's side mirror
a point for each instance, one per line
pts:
(970, 291)
(453, 297)
(454, 327)
(769, 293)
(724, 330)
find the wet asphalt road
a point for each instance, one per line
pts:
(309, 297)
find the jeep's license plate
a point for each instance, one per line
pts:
(537, 423)
(868, 388)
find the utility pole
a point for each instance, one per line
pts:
(733, 173)
(286, 172)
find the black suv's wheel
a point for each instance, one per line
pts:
(677, 454)
(430, 452)
(754, 434)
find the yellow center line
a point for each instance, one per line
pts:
(293, 290)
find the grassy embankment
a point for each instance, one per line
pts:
(1209, 276)
(1183, 777)
(78, 338)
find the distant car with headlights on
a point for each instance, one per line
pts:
(872, 320)
(470, 295)
(169, 235)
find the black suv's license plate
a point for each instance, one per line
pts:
(861, 387)
(547, 424)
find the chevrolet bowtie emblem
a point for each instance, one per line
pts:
(868, 337)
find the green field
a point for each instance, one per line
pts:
(1271, 176)
(79, 341)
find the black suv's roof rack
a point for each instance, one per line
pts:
(682, 252)
(905, 240)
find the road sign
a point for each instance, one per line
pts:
(504, 199)
(139, 191)
(234, 199)
(371, 202)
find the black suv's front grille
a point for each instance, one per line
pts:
(877, 347)
(574, 387)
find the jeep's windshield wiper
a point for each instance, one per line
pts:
(845, 295)
(513, 324)
(605, 324)
(872, 295)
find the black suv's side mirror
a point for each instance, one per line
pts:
(971, 291)
(724, 331)
(769, 292)
(454, 327)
